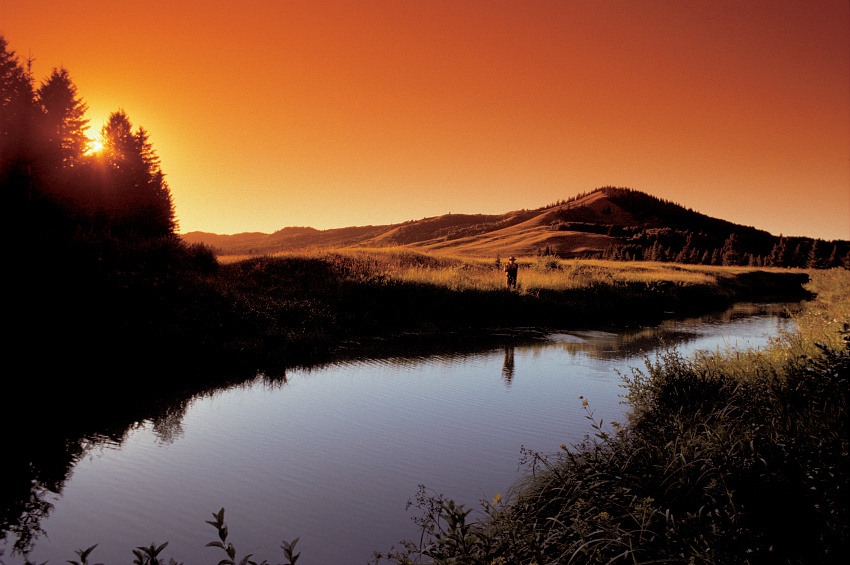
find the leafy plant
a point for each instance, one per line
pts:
(222, 543)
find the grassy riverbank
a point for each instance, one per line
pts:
(730, 457)
(269, 313)
(179, 322)
(172, 322)
(315, 304)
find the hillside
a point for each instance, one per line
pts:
(609, 222)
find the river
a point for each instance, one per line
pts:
(332, 454)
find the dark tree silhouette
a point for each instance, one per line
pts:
(17, 111)
(730, 254)
(62, 120)
(135, 189)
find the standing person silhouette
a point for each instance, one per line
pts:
(510, 272)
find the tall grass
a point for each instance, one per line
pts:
(727, 457)
(298, 307)
(536, 273)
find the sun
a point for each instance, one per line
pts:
(94, 146)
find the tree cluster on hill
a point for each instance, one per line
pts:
(665, 231)
(699, 248)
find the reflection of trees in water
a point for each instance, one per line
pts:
(37, 463)
(625, 344)
(168, 427)
(39, 459)
(24, 505)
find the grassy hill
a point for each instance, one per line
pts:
(609, 222)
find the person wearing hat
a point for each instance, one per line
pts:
(510, 272)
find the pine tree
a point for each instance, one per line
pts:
(684, 255)
(655, 253)
(17, 112)
(801, 255)
(779, 254)
(62, 119)
(730, 254)
(140, 198)
(814, 261)
(833, 258)
(715, 257)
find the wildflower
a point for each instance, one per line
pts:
(584, 402)
(564, 446)
(497, 499)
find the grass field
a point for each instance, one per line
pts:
(536, 273)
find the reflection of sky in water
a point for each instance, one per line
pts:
(333, 454)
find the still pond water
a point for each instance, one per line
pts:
(333, 455)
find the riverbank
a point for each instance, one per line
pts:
(737, 457)
(180, 330)
(309, 307)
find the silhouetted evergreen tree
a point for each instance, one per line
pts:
(62, 120)
(814, 260)
(778, 256)
(684, 254)
(135, 190)
(833, 260)
(730, 254)
(17, 113)
(801, 254)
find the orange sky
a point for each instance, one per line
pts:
(269, 114)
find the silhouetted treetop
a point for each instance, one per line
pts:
(58, 191)
(62, 121)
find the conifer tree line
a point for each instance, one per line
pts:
(61, 192)
(671, 233)
(697, 248)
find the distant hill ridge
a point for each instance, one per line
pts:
(608, 222)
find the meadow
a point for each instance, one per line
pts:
(323, 300)
(544, 272)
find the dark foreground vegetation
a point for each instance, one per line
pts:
(727, 458)
(111, 313)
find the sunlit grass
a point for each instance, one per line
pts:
(536, 273)
(819, 324)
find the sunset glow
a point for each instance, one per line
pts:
(269, 114)
(94, 146)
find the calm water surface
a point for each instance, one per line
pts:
(334, 454)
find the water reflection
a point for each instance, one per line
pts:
(508, 365)
(332, 452)
(671, 333)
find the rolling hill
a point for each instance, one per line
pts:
(608, 222)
